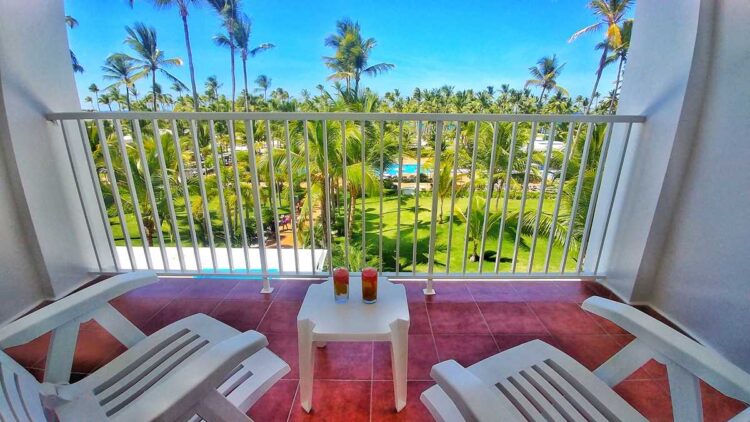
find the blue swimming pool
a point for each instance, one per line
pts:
(406, 170)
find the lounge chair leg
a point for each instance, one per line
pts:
(306, 362)
(215, 407)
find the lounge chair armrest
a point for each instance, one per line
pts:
(697, 359)
(74, 306)
(185, 388)
(475, 400)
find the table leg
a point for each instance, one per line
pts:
(306, 362)
(399, 359)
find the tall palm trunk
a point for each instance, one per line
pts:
(96, 97)
(244, 76)
(153, 87)
(541, 97)
(617, 85)
(599, 71)
(127, 96)
(183, 14)
(231, 65)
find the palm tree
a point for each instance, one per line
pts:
(95, 90)
(352, 54)
(242, 30)
(72, 23)
(90, 101)
(182, 7)
(263, 82)
(177, 88)
(229, 12)
(212, 88)
(74, 62)
(114, 96)
(609, 14)
(142, 40)
(474, 221)
(545, 75)
(620, 53)
(106, 100)
(119, 68)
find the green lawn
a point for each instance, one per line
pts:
(405, 234)
(391, 231)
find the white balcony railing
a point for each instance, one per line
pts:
(514, 195)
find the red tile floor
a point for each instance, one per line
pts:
(464, 321)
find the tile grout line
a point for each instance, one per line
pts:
(432, 332)
(294, 400)
(494, 340)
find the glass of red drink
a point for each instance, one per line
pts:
(369, 285)
(341, 285)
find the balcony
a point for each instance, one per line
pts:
(498, 225)
(465, 321)
(515, 196)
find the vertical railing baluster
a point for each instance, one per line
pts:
(86, 144)
(416, 199)
(133, 192)
(398, 193)
(66, 141)
(250, 139)
(238, 193)
(540, 202)
(594, 196)
(490, 183)
(292, 196)
(218, 164)
(576, 196)
(327, 185)
(198, 158)
(506, 195)
(272, 183)
(429, 290)
(477, 127)
(168, 193)
(529, 153)
(116, 192)
(454, 187)
(150, 192)
(556, 212)
(309, 197)
(614, 195)
(345, 188)
(380, 223)
(363, 229)
(186, 195)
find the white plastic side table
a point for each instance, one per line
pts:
(321, 319)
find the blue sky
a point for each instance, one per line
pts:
(466, 44)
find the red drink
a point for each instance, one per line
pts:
(369, 285)
(341, 284)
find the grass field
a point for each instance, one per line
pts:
(402, 236)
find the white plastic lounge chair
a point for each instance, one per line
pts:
(535, 381)
(195, 368)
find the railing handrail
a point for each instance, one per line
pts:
(588, 140)
(351, 116)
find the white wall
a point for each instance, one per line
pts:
(703, 279)
(20, 283)
(679, 236)
(663, 81)
(36, 78)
